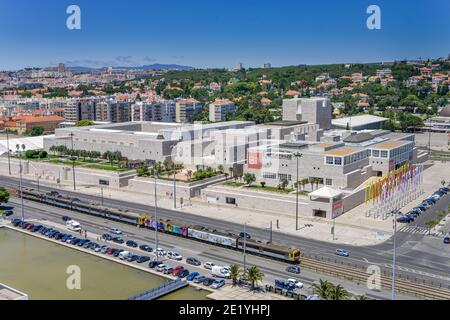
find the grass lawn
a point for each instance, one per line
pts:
(266, 188)
(106, 166)
(234, 184)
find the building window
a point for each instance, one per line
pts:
(384, 154)
(330, 160)
(328, 182)
(376, 153)
(338, 161)
(268, 175)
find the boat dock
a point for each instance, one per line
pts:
(161, 290)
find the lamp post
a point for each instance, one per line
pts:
(9, 156)
(156, 218)
(245, 247)
(174, 186)
(394, 212)
(73, 163)
(297, 155)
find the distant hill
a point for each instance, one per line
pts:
(156, 66)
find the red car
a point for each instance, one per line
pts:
(110, 250)
(30, 226)
(177, 270)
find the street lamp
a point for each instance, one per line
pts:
(394, 212)
(156, 217)
(9, 151)
(297, 155)
(20, 185)
(73, 162)
(245, 247)
(174, 186)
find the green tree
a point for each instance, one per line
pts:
(235, 273)
(338, 292)
(35, 131)
(84, 123)
(4, 195)
(254, 275)
(323, 288)
(283, 183)
(249, 178)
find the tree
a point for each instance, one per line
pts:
(254, 275)
(4, 195)
(338, 293)
(35, 131)
(84, 123)
(263, 184)
(230, 169)
(220, 168)
(226, 174)
(189, 174)
(235, 273)
(284, 183)
(323, 288)
(362, 297)
(430, 224)
(249, 178)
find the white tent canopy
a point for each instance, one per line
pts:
(325, 192)
(31, 143)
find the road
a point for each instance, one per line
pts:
(418, 256)
(188, 248)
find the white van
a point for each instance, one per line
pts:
(73, 225)
(220, 272)
(124, 255)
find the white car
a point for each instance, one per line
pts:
(174, 255)
(161, 267)
(295, 282)
(313, 297)
(116, 231)
(208, 265)
(160, 252)
(217, 284)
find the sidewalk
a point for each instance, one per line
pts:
(352, 228)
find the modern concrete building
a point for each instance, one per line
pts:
(81, 109)
(219, 109)
(360, 122)
(158, 111)
(312, 110)
(186, 109)
(113, 111)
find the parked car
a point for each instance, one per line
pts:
(177, 270)
(133, 257)
(207, 282)
(193, 261)
(106, 236)
(154, 264)
(16, 222)
(53, 193)
(199, 279)
(131, 243)
(183, 273)
(295, 283)
(115, 230)
(118, 240)
(117, 252)
(217, 283)
(293, 269)
(168, 270)
(8, 213)
(193, 276)
(208, 265)
(66, 218)
(142, 259)
(447, 240)
(342, 253)
(160, 252)
(145, 247)
(160, 267)
(174, 255)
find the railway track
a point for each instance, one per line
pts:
(360, 276)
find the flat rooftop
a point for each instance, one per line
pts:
(357, 121)
(8, 293)
(284, 123)
(390, 144)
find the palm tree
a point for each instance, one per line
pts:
(226, 176)
(362, 297)
(311, 182)
(230, 169)
(189, 174)
(254, 275)
(23, 147)
(235, 273)
(338, 293)
(323, 288)
(220, 168)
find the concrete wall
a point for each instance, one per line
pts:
(53, 172)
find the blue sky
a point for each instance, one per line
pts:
(213, 33)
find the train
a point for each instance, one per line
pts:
(193, 232)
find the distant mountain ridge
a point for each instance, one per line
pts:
(156, 66)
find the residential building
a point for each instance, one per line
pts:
(23, 124)
(219, 109)
(113, 111)
(156, 111)
(186, 109)
(81, 109)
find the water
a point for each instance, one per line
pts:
(39, 268)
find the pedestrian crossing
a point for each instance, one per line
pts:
(414, 230)
(420, 230)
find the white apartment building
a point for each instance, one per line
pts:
(219, 109)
